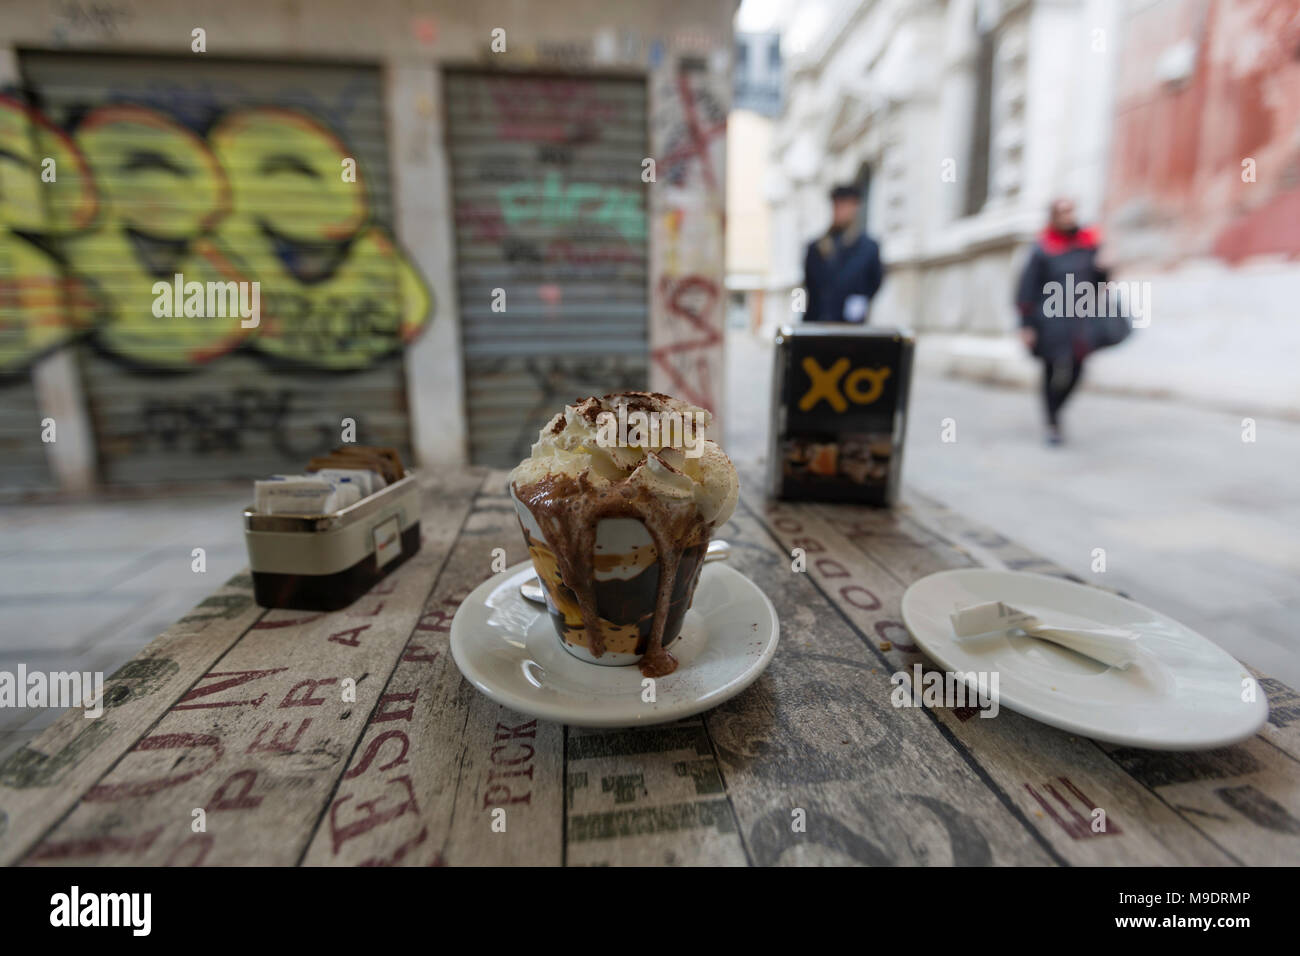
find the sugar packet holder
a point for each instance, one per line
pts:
(327, 560)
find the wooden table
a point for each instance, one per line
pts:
(240, 712)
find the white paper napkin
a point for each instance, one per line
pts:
(1110, 645)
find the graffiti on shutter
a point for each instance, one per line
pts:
(551, 211)
(182, 195)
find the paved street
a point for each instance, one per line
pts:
(85, 586)
(1193, 521)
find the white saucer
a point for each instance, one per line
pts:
(508, 649)
(1183, 693)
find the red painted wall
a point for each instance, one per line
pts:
(1175, 188)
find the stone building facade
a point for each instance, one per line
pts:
(930, 108)
(535, 210)
(963, 118)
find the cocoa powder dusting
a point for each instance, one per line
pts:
(569, 510)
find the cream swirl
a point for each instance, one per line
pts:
(673, 460)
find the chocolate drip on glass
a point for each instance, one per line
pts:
(569, 510)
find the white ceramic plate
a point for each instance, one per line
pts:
(1183, 693)
(508, 649)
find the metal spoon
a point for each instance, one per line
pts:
(531, 590)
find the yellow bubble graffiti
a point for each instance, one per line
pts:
(161, 193)
(336, 293)
(41, 307)
(140, 198)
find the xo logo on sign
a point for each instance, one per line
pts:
(826, 385)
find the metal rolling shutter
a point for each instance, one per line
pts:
(550, 208)
(233, 170)
(24, 462)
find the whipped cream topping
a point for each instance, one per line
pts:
(588, 465)
(674, 461)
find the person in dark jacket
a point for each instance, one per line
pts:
(842, 270)
(1063, 258)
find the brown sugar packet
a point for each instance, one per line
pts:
(391, 462)
(384, 450)
(390, 453)
(391, 467)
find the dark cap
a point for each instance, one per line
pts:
(846, 192)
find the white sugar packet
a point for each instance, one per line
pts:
(293, 494)
(368, 481)
(304, 494)
(1115, 646)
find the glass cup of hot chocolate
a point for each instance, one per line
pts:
(617, 502)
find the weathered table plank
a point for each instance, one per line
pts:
(239, 767)
(43, 780)
(1047, 774)
(242, 714)
(1283, 728)
(818, 733)
(649, 796)
(436, 778)
(1236, 807)
(1244, 799)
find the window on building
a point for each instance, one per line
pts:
(863, 182)
(981, 135)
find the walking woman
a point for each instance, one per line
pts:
(1063, 258)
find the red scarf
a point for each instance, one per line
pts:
(1054, 242)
